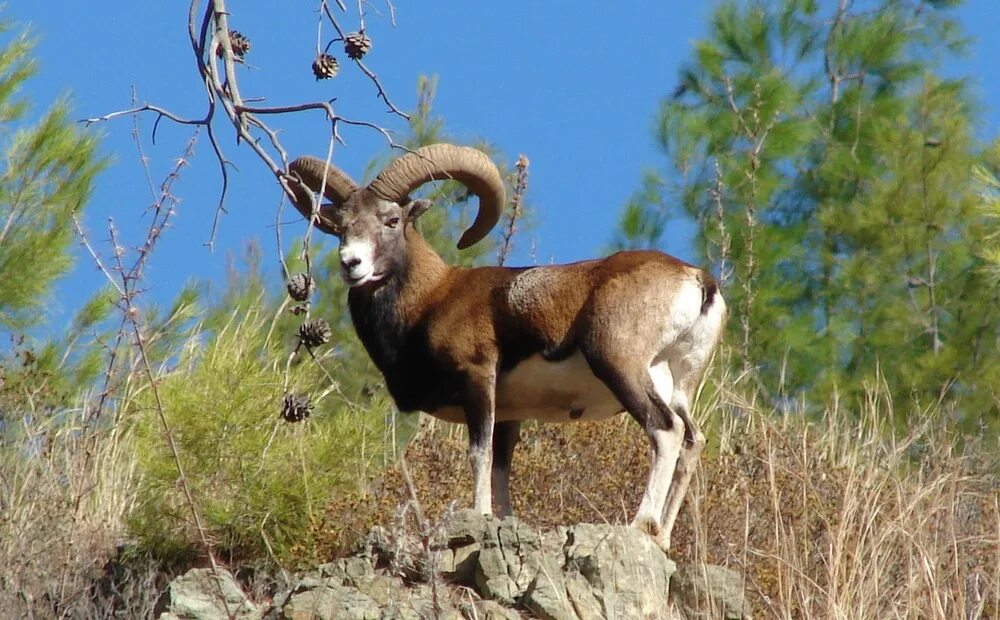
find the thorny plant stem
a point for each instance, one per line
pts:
(716, 194)
(515, 211)
(125, 282)
(94, 413)
(426, 531)
(755, 132)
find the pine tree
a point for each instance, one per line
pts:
(46, 177)
(828, 168)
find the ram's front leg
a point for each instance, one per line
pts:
(480, 417)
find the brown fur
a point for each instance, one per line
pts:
(472, 314)
(632, 331)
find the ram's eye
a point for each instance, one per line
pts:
(392, 222)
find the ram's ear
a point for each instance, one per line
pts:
(415, 208)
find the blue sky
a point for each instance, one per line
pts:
(574, 86)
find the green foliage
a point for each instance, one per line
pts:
(644, 218)
(260, 483)
(47, 176)
(990, 208)
(828, 170)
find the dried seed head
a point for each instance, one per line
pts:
(239, 43)
(325, 67)
(315, 332)
(356, 45)
(299, 286)
(295, 407)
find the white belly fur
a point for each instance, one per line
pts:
(536, 389)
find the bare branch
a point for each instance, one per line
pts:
(137, 139)
(333, 20)
(208, 32)
(392, 12)
(144, 108)
(381, 91)
(516, 209)
(93, 254)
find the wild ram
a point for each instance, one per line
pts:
(490, 347)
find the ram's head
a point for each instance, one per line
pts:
(372, 222)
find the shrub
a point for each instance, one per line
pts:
(259, 483)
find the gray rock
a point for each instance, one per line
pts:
(627, 573)
(205, 594)
(459, 565)
(487, 568)
(456, 548)
(601, 571)
(492, 610)
(350, 571)
(548, 596)
(709, 592)
(585, 605)
(330, 601)
(509, 560)
(465, 527)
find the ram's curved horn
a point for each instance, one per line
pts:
(440, 162)
(337, 187)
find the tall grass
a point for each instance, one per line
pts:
(843, 516)
(847, 516)
(853, 514)
(65, 492)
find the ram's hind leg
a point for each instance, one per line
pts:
(694, 443)
(645, 396)
(687, 363)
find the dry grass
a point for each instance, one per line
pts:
(843, 518)
(64, 495)
(836, 518)
(840, 517)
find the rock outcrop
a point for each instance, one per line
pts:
(203, 594)
(474, 566)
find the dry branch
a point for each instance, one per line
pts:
(217, 64)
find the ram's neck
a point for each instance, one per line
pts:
(385, 312)
(422, 276)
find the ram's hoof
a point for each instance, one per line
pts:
(654, 530)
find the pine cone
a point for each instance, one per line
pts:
(238, 43)
(325, 67)
(299, 286)
(356, 45)
(295, 407)
(315, 332)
